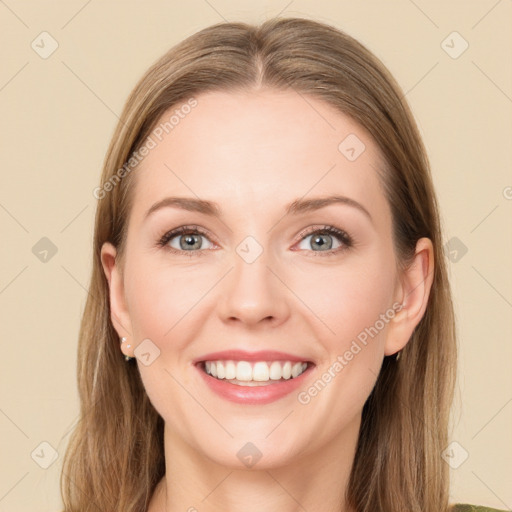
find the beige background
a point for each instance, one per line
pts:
(59, 113)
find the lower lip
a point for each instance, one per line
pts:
(254, 394)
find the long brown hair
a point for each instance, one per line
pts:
(115, 456)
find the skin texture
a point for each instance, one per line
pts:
(253, 153)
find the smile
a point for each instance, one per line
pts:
(255, 382)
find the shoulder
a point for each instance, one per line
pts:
(463, 507)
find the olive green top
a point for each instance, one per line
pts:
(463, 507)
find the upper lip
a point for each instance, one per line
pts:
(242, 355)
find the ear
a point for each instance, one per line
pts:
(119, 313)
(412, 293)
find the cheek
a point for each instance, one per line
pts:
(160, 294)
(349, 298)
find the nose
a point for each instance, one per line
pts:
(252, 294)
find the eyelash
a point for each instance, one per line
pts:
(342, 236)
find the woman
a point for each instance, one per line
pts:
(268, 260)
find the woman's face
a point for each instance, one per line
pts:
(261, 273)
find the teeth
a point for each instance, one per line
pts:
(260, 371)
(230, 370)
(243, 371)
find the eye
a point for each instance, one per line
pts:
(186, 239)
(189, 240)
(327, 240)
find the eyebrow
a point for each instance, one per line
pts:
(295, 208)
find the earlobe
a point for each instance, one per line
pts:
(416, 283)
(118, 310)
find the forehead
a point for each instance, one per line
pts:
(255, 151)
